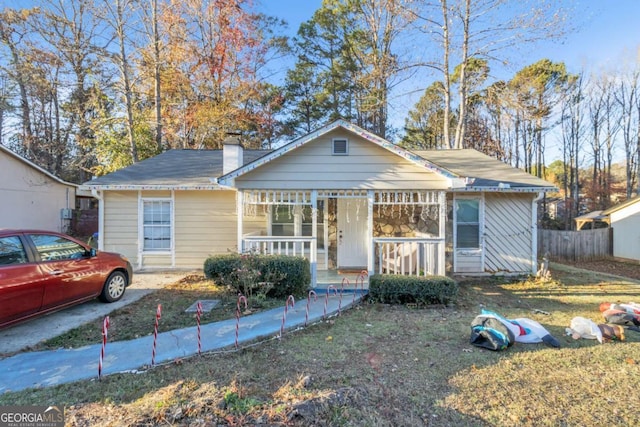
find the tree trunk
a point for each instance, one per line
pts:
(462, 115)
(445, 71)
(156, 75)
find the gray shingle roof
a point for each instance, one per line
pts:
(173, 168)
(194, 168)
(486, 171)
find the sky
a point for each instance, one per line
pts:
(606, 36)
(607, 30)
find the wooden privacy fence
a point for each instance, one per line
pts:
(576, 245)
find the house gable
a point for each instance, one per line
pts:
(361, 165)
(31, 196)
(29, 167)
(338, 129)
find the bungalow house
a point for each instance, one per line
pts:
(32, 197)
(341, 196)
(624, 219)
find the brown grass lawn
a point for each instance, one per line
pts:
(380, 365)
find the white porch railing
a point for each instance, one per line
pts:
(412, 256)
(285, 245)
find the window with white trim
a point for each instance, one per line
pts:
(467, 213)
(156, 224)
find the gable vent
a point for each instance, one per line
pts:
(340, 147)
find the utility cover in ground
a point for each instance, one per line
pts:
(207, 305)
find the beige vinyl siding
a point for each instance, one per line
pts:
(156, 194)
(367, 166)
(626, 232)
(152, 261)
(508, 238)
(205, 224)
(120, 233)
(30, 198)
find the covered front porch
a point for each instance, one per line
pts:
(345, 232)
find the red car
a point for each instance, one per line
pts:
(44, 271)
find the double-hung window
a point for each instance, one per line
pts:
(467, 213)
(156, 224)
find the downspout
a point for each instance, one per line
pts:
(98, 195)
(534, 231)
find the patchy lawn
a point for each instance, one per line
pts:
(380, 365)
(138, 319)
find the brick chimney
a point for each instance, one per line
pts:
(232, 153)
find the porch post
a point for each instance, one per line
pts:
(442, 201)
(371, 249)
(313, 249)
(239, 216)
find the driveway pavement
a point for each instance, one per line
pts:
(24, 335)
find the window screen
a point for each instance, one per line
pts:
(157, 225)
(467, 224)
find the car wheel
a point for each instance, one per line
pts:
(114, 287)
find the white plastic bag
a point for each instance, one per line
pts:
(584, 328)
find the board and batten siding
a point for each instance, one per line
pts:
(626, 232)
(120, 232)
(366, 166)
(508, 233)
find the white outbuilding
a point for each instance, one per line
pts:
(625, 222)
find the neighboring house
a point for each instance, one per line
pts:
(32, 197)
(595, 219)
(341, 196)
(556, 208)
(625, 221)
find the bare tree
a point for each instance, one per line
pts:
(484, 29)
(118, 13)
(627, 97)
(572, 121)
(151, 21)
(12, 33)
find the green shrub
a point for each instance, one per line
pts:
(272, 275)
(396, 289)
(220, 268)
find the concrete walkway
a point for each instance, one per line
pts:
(49, 368)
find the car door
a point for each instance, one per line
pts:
(70, 274)
(21, 281)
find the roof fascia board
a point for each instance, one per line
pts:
(112, 187)
(621, 205)
(228, 178)
(34, 166)
(503, 189)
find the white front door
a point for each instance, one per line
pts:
(352, 233)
